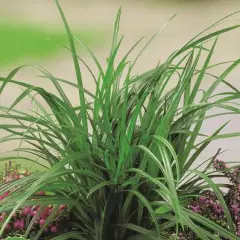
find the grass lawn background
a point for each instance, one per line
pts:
(19, 42)
(23, 41)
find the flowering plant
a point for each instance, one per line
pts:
(31, 218)
(208, 205)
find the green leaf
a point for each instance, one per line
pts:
(77, 68)
(15, 238)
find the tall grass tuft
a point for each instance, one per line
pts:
(126, 158)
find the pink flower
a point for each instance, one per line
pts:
(54, 229)
(42, 221)
(26, 211)
(21, 224)
(16, 225)
(33, 213)
(44, 213)
(62, 207)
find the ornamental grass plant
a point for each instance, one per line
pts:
(126, 160)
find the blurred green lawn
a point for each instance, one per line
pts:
(20, 41)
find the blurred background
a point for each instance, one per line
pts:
(31, 31)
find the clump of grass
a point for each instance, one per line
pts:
(123, 159)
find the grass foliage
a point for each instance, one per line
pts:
(122, 158)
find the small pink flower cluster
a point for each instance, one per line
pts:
(13, 173)
(234, 175)
(22, 218)
(220, 165)
(233, 198)
(185, 236)
(209, 206)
